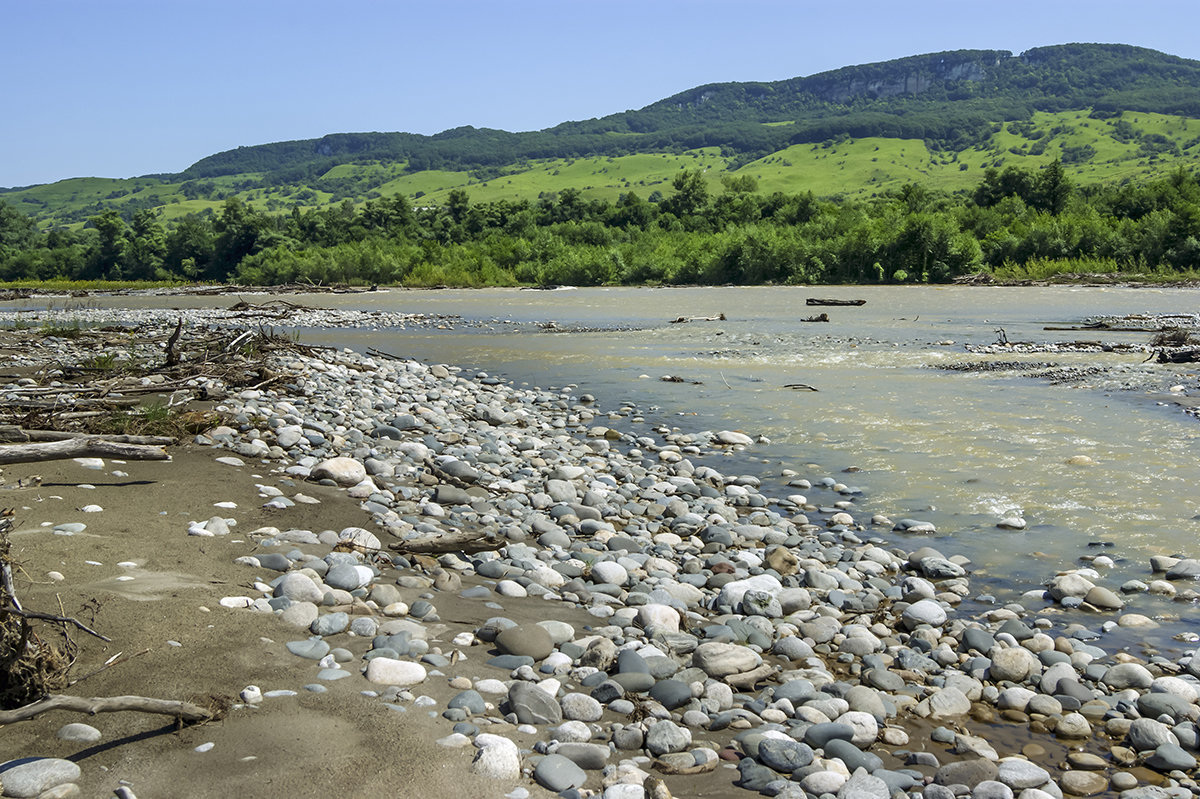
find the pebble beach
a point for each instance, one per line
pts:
(632, 614)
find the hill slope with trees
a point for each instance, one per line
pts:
(929, 168)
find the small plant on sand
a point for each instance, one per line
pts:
(71, 329)
(156, 419)
(102, 362)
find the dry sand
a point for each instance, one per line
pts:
(338, 743)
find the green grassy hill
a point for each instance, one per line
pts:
(1110, 113)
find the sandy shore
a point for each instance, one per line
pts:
(334, 743)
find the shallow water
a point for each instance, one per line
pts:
(962, 450)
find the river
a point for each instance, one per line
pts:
(960, 449)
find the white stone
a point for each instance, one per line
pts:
(387, 671)
(343, 471)
(36, 776)
(659, 617)
(498, 758)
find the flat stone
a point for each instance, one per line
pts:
(580, 707)
(1104, 598)
(818, 735)
(671, 694)
(83, 733)
(1073, 726)
(28, 777)
(312, 648)
(966, 772)
(527, 640)
(719, 660)
(948, 702)
(862, 785)
(345, 472)
(588, 756)
(784, 755)
(1019, 774)
(1127, 675)
(557, 773)
(1148, 734)
(469, 700)
(853, 757)
(926, 611)
(667, 736)
(1082, 783)
(388, 671)
(1167, 757)
(533, 705)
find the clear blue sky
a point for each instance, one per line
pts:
(118, 88)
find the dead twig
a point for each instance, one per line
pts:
(184, 711)
(33, 614)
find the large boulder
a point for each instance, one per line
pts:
(345, 472)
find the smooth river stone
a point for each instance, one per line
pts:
(313, 648)
(557, 773)
(28, 779)
(388, 671)
(719, 660)
(532, 705)
(345, 472)
(528, 640)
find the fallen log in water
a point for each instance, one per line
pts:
(818, 301)
(1177, 356)
(680, 320)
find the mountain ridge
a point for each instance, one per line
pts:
(971, 76)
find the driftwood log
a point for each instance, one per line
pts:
(1177, 356)
(89, 447)
(747, 680)
(819, 301)
(185, 711)
(10, 434)
(465, 541)
(682, 319)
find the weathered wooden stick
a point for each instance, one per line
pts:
(11, 433)
(185, 711)
(80, 448)
(34, 614)
(441, 543)
(746, 680)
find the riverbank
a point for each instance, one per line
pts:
(779, 632)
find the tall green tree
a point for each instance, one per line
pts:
(109, 257)
(1052, 189)
(241, 231)
(691, 194)
(146, 248)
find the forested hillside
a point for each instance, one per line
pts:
(1074, 158)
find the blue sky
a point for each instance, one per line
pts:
(118, 88)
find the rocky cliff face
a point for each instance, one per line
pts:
(838, 89)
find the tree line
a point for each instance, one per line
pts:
(1014, 219)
